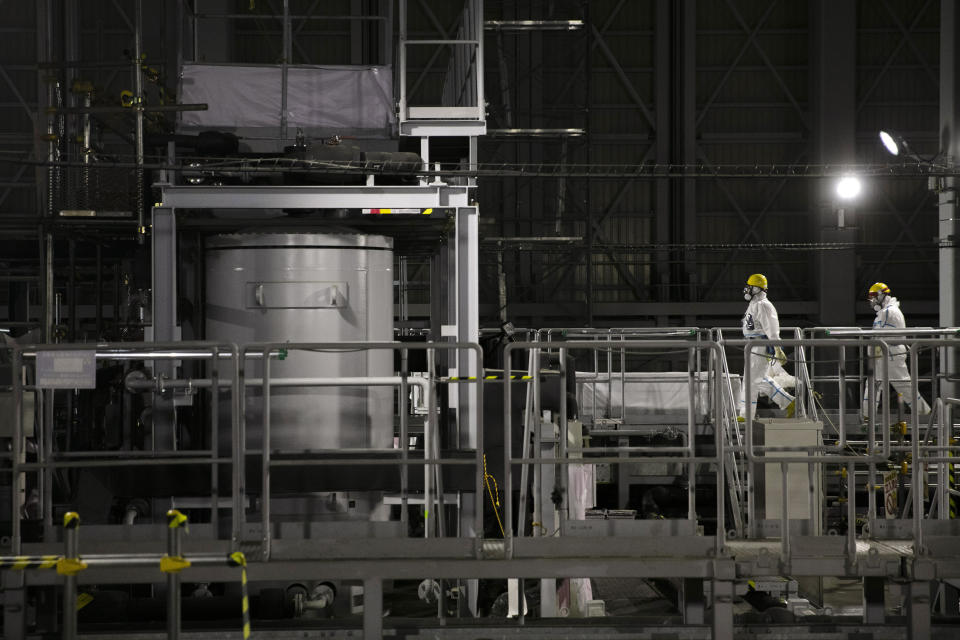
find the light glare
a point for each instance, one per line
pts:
(890, 144)
(848, 187)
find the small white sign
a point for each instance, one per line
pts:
(448, 331)
(67, 369)
(891, 481)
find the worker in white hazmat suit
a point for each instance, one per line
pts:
(889, 316)
(761, 322)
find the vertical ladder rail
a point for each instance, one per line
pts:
(726, 419)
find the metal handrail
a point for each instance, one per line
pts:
(691, 458)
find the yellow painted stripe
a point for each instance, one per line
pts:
(21, 563)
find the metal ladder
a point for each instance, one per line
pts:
(735, 470)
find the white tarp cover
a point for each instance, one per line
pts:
(653, 396)
(649, 395)
(329, 98)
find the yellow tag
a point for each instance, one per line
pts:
(83, 600)
(173, 564)
(70, 566)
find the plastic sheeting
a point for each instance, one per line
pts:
(654, 398)
(651, 397)
(573, 594)
(335, 99)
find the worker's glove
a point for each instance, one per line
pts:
(877, 352)
(780, 356)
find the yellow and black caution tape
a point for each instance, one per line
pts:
(951, 482)
(70, 566)
(237, 559)
(475, 378)
(83, 600)
(175, 519)
(174, 564)
(23, 563)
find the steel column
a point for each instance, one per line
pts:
(917, 604)
(164, 282)
(723, 594)
(467, 319)
(834, 25)
(662, 79)
(949, 230)
(873, 606)
(692, 601)
(14, 604)
(372, 608)
(685, 135)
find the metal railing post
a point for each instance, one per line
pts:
(172, 564)
(71, 545)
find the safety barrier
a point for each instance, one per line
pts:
(732, 462)
(172, 563)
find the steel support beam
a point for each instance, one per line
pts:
(336, 197)
(373, 608)
(164, 238)
(949, 231)
(722, 594)
(874, 610)
(917, 604)
(834, 26)
(894, 54)
(14, 605)
(751, 39)
(662, 80)
(766, 61)
(693, 601)
(467, 319)
(685, 141)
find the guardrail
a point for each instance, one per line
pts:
(923, 447)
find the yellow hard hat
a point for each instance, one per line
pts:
(757, 280)
(878, 287)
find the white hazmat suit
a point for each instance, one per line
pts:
(889, 316)
(761, 322)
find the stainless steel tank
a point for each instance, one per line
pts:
(289, 287)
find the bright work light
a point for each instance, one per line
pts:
(890, 143)
(848, 187)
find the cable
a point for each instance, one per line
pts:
(495, 501)
(519, 170)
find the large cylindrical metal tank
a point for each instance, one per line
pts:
(292, 287)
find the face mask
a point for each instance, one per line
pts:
(747, 293)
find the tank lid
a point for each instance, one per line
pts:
(319, 240)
